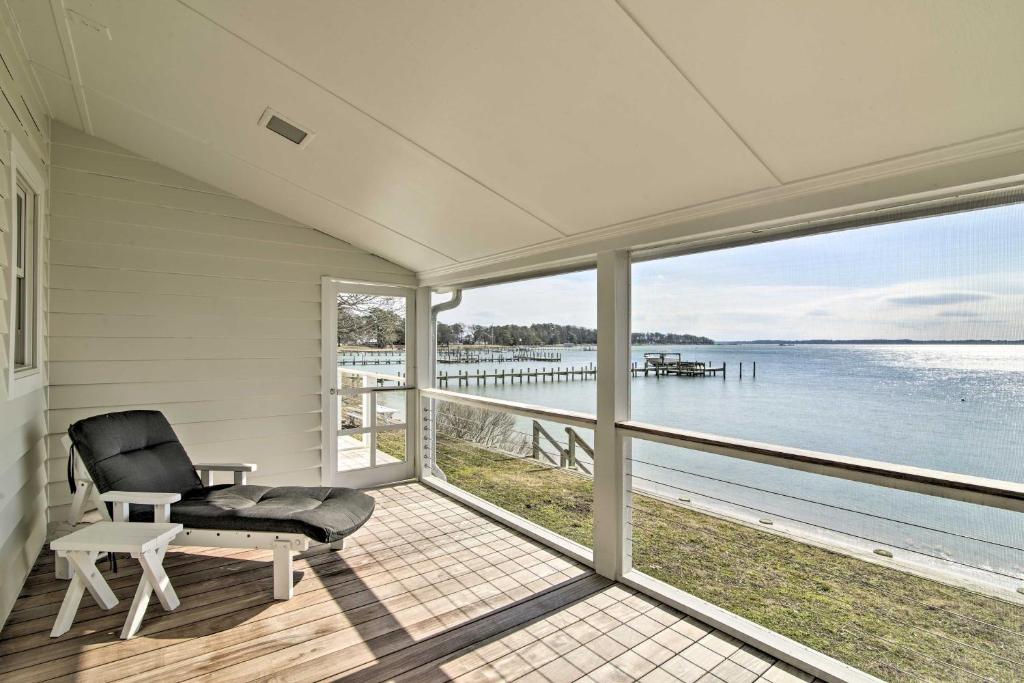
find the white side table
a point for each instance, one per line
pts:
(146, 542)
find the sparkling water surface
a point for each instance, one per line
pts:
(956, 408)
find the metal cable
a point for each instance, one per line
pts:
(825, 528)
(834, 507)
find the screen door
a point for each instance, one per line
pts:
(368, 355)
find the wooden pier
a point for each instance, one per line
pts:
(569, 374)
(372, 357)
(465, 356)
(461, 356)
(673, 364)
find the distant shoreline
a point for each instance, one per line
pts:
(920, 342)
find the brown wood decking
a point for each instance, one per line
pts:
(427, 591)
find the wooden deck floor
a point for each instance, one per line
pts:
(427, 591)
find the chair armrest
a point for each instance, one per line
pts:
(161, 503)
(140, 497)
(239, 468)
(227, 466)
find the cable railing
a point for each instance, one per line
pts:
(978, 490)
(923, 568)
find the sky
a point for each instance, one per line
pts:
(958, 276)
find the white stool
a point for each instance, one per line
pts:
(146, 542)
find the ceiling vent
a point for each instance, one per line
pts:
(288, 129)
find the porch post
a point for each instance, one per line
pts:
(425, 364)
(610, 452)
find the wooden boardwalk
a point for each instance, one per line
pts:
(427, 591)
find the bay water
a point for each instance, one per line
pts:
(956, 408)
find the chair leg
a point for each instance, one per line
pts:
(69, 606)
(282, 570)
(154, 580)
(338, 545)
(62, 568)
(84, 564)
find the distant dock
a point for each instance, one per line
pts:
(673, 364)
(465, 356)
(656, 364)
(574, 373)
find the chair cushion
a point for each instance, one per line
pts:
(324, 514)
(134, 450)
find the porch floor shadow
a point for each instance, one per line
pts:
(428, 590)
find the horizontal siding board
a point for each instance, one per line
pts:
(95, 185)
(114, 348)
(115, 211)
(283, 446)
(197, 411)
(63, 134)
(261, 428)
(24, 501)
(116, 372)
(142, 282)
(25, 471)
(124, 303)
(18, 552)
(187, 327)
(16, 443)
(77, 229)
(308, 477)
(104, 395)
(167, 261)
(118, 165)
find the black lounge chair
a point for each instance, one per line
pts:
(138, 471)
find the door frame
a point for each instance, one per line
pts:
(381, 474)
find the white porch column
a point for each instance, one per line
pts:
(425, 370)
(610, 452)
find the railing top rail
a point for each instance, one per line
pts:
(990, 492)
(569, 417)
(372, 375)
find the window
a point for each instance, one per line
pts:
(25, 309)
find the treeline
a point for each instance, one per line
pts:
(646, 338)
(536, 334)
(539, 334)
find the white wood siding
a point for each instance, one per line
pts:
(23, 419)
(168, 293)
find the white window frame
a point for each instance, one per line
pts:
(25, 171)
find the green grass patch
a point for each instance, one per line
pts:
(891, 624)
(392, 443)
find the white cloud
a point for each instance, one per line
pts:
(971, 307)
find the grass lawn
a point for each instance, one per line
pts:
(893, 625)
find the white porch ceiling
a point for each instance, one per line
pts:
(451, 133)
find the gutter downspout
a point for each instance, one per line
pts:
(430, 436)
(446, 305)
